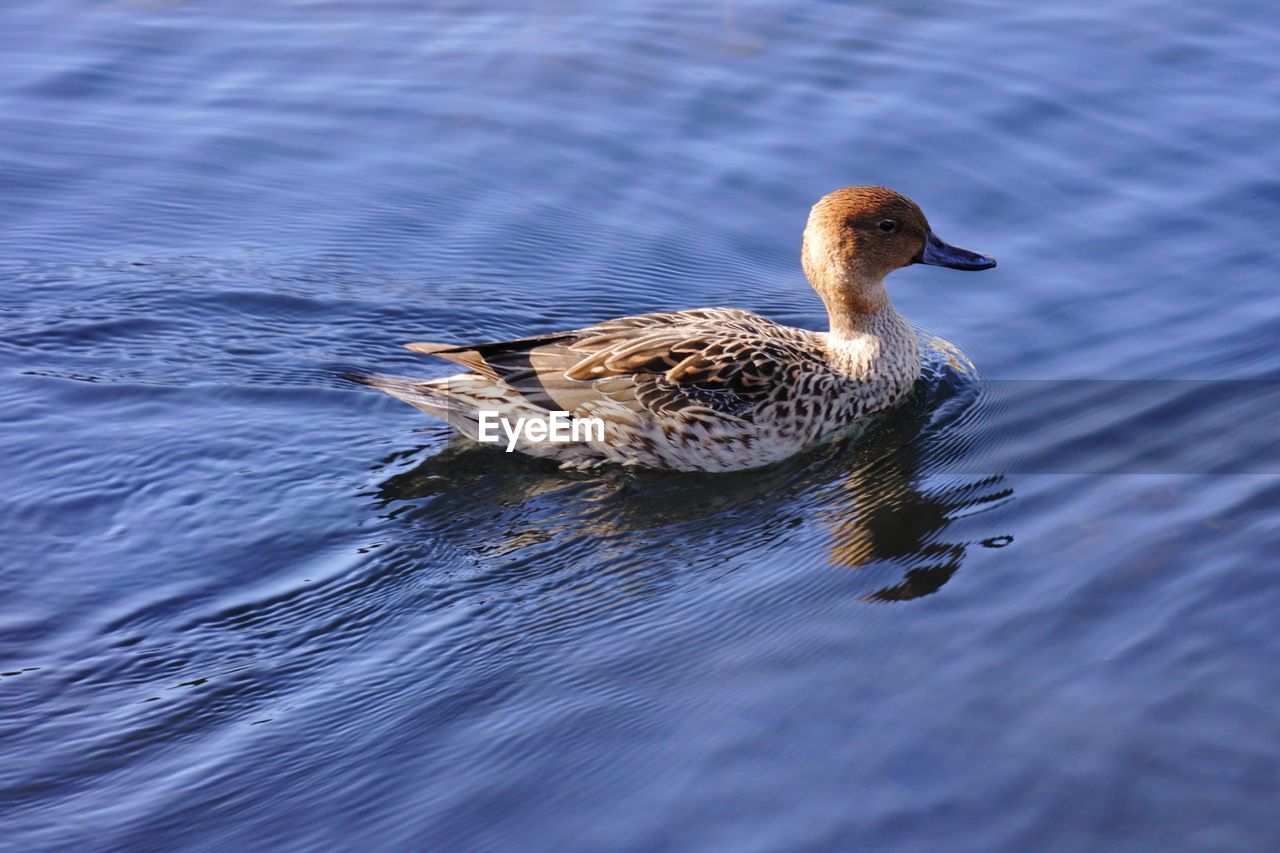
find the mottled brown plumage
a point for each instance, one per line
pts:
(715, 389)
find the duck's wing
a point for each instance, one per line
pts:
(718, 359)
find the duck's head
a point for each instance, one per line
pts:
(858, 235)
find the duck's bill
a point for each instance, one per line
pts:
(941, 254)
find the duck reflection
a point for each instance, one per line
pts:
(878, 505)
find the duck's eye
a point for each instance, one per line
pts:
(887, 225)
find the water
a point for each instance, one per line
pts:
(244, 602)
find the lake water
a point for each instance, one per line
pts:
(245, 603)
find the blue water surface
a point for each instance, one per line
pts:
(248, 604)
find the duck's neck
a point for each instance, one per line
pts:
(874, 340)
(855, 309)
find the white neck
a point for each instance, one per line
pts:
(873, 343)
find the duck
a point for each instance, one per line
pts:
(708, 389)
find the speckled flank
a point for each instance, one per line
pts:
(711, 389)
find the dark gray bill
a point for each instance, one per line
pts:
(941, 254)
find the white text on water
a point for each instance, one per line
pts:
(556, 427)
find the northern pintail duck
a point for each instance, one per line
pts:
(712, 389)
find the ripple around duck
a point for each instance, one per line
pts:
(694, 521)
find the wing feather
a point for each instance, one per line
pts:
(706, 363)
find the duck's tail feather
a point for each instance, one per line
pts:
(433, 396)
(454, 399)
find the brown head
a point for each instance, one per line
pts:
(858, 235)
